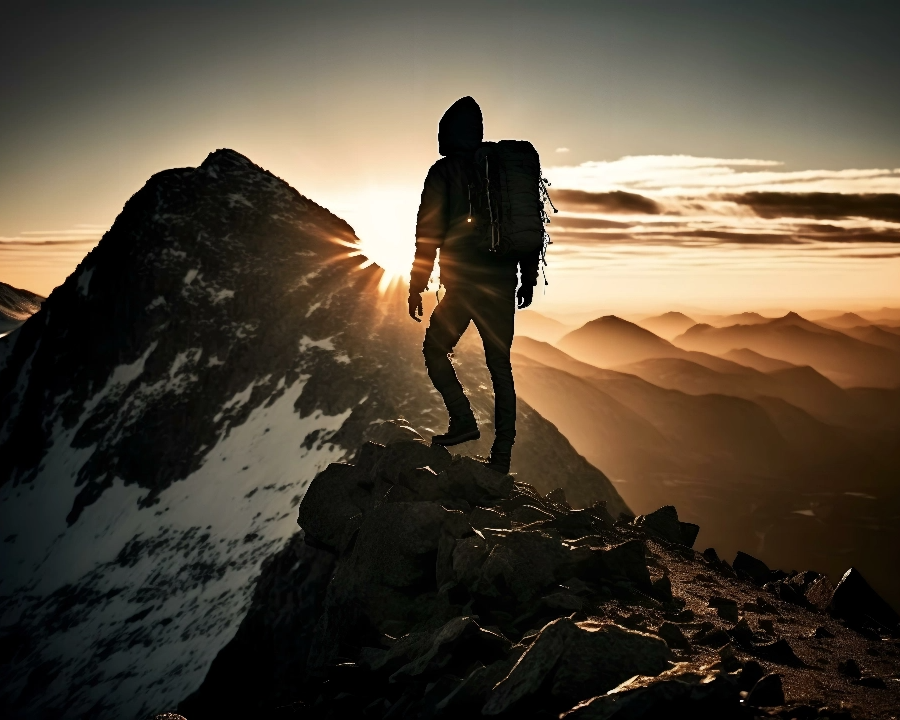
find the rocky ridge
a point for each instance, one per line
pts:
(424, 585)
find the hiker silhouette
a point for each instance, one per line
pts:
(481, 286)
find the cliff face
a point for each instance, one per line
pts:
(424, 585)
(162, 415)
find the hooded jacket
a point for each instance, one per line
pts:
(444, 209)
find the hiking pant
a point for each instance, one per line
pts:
(492, 307)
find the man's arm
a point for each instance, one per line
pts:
(431, 227)
(528, 267)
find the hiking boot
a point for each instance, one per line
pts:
(499, 461)
(462, 429)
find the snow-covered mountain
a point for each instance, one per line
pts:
(162, 415)
(16, 306)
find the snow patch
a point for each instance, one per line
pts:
(84, 281)
(235, 199)
(156, 302)
(157, 590)
(120, 378)
(190, 276)
(218, 297)
(306, 343)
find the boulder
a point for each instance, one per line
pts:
(662, 524)
(673, 636)
(682, 691)
(751, 567)
(767, 692)
(481, 518)
(856, 601)
(474, 482)
(819, 593)
(521, 564)
(331, 510)
(578, 660)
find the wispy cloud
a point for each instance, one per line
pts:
(686, 201)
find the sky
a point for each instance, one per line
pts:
(740, 155)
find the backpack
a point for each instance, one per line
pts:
(506, 200)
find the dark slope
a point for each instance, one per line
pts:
(163, 414)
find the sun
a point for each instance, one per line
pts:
(384, 219)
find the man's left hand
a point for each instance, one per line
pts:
(524, 296)
(415, 306)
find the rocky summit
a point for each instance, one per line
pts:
(424, 585)
(162, 415)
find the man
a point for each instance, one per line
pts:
(480, 287)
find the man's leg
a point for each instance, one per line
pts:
(495, 319)
(449, 321)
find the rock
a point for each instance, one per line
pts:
(849, 667)
(689, 532)
(521, 563)
(577, 524)
(682, 691)
(726, 608)
(778, 651)
(393, 431)
(752, 568)
(742, 634)
(460, 640)
(628, 560)
(820, 593)
(406, 455)
(767, 692)
(673, 636)
(822, 632)
(662, 524)
(870, 681)
(528, 514)
(750, 674)
(558, 497)
(712, 637)
(578, 660)
(168, 716)
(474, 482)
(481, 518)
(662, 589)
(331, 510)
(856, 601)
(784, 591)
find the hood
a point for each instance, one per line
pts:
(461, 129)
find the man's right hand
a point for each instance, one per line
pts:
(415, 306)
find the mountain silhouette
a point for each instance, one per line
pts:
(668, 325)
(534, 325)
(163, 414)
(610, 340)
(845, 360)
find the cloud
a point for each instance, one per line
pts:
(698, 177)
(562, 150)
(880, 206)
(690, 202)
(617, 201)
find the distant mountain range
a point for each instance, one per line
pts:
(785, 464)
(16, 306)
(846, 360)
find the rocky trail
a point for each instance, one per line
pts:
(424, 585)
